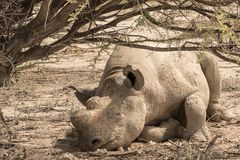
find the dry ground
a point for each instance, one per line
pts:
(37, 104)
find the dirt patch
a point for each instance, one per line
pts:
(37, 105)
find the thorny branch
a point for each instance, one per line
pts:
(211, 23)
(106, 15)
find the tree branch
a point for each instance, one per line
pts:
(215, 3)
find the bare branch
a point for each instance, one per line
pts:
(215, 3)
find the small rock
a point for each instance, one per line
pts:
(130, 148)
(139, 151)
(104, 150)
(120, 149)
(98, 152)
(69, 156)
(152, 142)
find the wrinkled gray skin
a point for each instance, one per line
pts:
(151, 95)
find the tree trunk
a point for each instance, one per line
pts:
(5, 72)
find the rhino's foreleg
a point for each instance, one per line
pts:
(167, 129)
(196, 128)
(210, 69)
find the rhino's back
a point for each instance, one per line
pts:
(155, 63)
(125, 55)
(175, 74)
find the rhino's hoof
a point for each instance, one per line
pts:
(221, 114)
(217, 113)
(201, 135)
(199, 138)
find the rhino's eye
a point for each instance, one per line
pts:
(131, 77)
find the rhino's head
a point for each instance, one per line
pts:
(115, 118)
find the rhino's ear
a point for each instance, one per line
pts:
(135, 76)
(83, 94)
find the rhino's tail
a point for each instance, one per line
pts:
(210, 69)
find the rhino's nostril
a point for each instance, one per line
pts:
(96, 143)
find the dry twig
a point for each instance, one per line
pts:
(113, 154)
(3, 122)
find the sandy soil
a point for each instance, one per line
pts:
(37, 105)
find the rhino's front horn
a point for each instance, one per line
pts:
(135, 76)
(80, 119)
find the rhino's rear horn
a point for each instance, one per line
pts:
(135, 76)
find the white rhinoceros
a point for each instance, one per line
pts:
(149, 94)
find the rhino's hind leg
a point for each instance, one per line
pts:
(196, 128)
(210, 68)
(167, 129)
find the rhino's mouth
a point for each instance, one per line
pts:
(110, 145)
